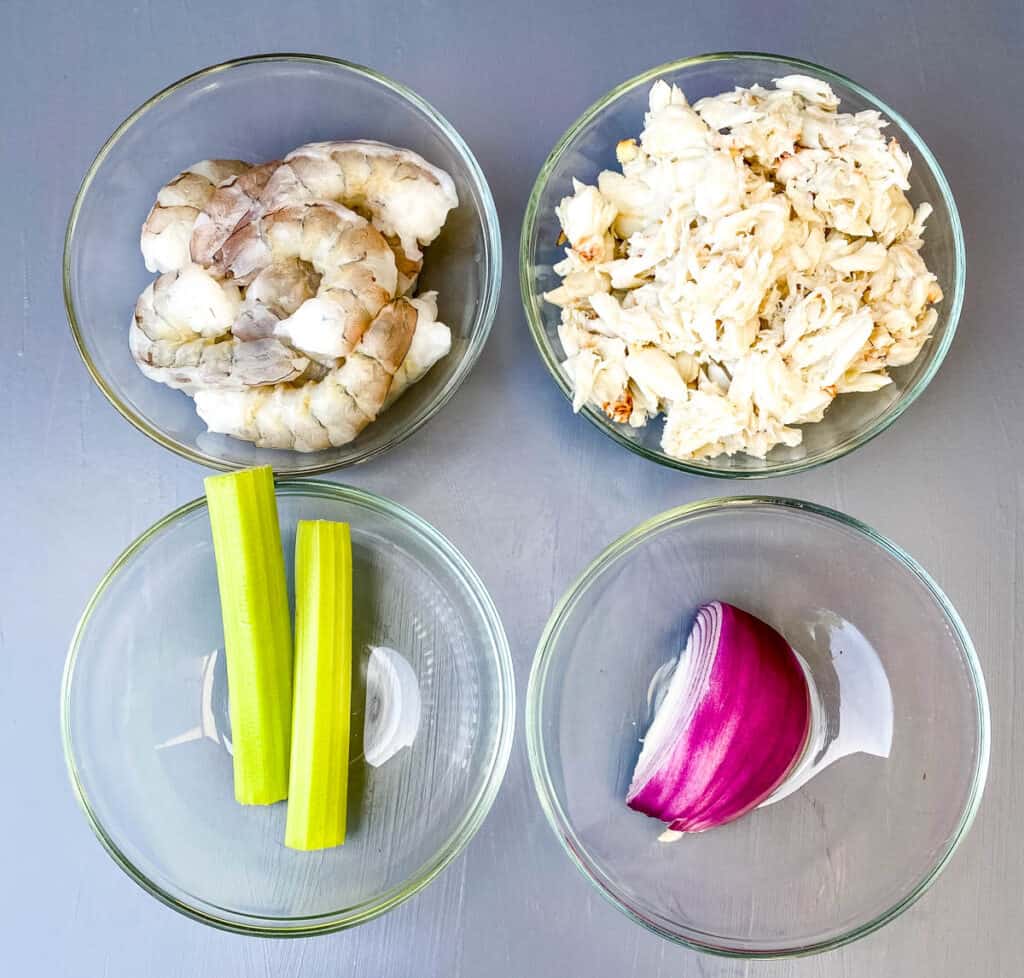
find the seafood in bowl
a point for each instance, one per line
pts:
(756, 256)
(285, 304)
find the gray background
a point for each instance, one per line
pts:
(529, 493)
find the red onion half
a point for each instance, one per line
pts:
(733, 722)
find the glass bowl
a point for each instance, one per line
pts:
(257, 109)
(146, 734)
(589, 147)
(859, 842)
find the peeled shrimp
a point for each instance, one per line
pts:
(405, 197)
(278, 309)
(325, 412)
(355, 266)
(180, 337)
(167, 232)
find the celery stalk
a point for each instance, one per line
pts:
(257, 630)
(321, 712)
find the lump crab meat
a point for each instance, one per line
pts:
(754, 257)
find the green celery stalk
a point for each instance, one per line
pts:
(321, 712)
(257, 630)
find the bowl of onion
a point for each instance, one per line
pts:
(757, 727)
(177, 709)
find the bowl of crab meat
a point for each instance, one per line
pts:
(742, 265)
(316, 272)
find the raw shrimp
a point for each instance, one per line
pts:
(167, 232)
(355, 266)
(279, 310)
(180, 336)
(325, 412)
(405, 197)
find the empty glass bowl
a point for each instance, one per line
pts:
(146, 732)
(257, 109)
(858, 843)
(589, 147)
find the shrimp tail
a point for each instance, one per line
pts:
(431, 342)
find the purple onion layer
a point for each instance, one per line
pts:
(734, 721)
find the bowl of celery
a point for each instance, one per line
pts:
(286, 709)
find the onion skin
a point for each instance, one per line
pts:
(734, 722)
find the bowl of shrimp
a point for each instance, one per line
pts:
(284, 259)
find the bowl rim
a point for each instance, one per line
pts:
(483, 319)
(503, 720)
(545, 655)
(531, 306)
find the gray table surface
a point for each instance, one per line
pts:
(528, 492)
